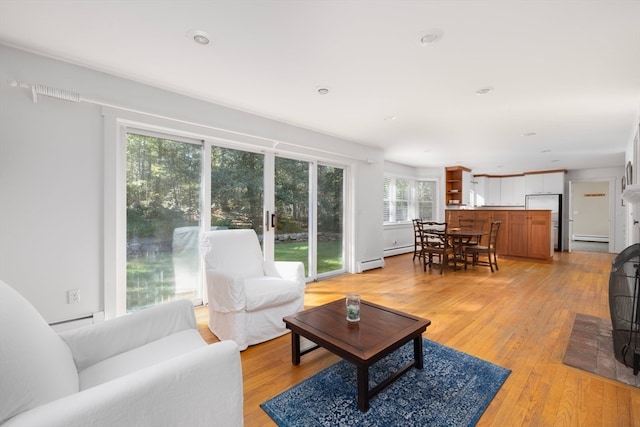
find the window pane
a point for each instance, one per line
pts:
(387, 188)
(163, 213)
(292, 208)
(237, 189)
(330, 218)
(402, 211)
(402, 189)
(425, 191)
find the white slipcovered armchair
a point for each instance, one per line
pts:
(248, 297)
(150, 368)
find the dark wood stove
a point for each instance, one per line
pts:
(624, 304)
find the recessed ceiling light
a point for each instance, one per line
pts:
(199, 36)
(545, 151)
(431, 37)
(323, 90)
(484, 90)
(529, 134)
(390, 118)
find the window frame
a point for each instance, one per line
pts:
(413, 202)
(117, 122)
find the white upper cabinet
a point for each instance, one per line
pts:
(544, 183)
(494, 191)
(467, 188)
(512, 191)
(499, 191)
(479, 190)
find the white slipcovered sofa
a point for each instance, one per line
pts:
(150, 368)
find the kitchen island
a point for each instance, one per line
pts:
(525, 233)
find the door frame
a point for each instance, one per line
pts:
(610, 208)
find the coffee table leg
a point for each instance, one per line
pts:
(363, 388)
(417, 352)
(295, 348)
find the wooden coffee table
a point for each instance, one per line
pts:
(379, 332)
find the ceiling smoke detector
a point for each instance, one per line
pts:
(323, 90)
(199, 36)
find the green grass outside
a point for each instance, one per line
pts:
(329, 254)
(150, 280)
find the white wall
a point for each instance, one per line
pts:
(617, 212)
(590, 206)
(52, 176)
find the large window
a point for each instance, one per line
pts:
(163, 214)
(177, 187)
(405, 199)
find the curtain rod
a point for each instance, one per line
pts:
(66, 95)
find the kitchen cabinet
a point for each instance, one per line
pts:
(458, 185)
(453, 216)
(502, 245)
(544, 182)
(501, 191)
(530, 234)
(512, 190)
(523, 233)
(494, 191)
(479, 190)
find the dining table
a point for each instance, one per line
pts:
(459, 236)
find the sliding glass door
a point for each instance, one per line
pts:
(163, 215)
(330, 219)
(295, 206)
(309, 207)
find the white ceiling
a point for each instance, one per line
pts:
(567, 70)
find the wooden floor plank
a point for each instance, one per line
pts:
(519, 317)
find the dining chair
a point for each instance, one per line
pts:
(488, 251)
(435, 243)
(417, 238)
(472, 224)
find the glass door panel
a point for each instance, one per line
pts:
(237, 189)
(330, 219)
(292, 203)
(163, 205)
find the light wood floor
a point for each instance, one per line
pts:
(519, 317)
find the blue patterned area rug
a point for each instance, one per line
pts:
(453, 389)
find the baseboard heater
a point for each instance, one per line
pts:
(398, 250)
(370, 264)
(590, 238)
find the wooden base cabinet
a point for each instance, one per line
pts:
(530, 234)
(523, 233)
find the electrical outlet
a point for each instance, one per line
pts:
(73, 296)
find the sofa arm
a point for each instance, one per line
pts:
(94, 343)
(200, 388)
(226, 292)
(288, 270)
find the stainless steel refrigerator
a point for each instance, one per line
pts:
(552, 202)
